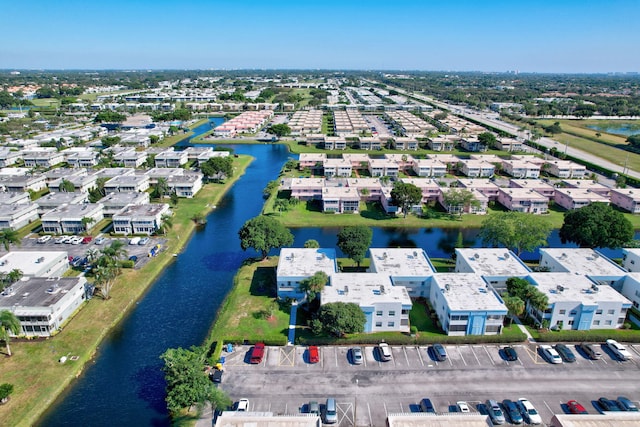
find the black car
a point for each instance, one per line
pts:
(608, 405)
(512, 411)
(427, 406)
(216, 375)
(590, 350)
(439, 352)
(566, 354)
(510, 354)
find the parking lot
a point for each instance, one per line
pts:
(80, 250)
(284, 382)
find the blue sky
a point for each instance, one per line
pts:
(483, 35)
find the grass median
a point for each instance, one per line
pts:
(34, 370)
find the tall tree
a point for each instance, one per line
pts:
(458, 200)
(596, 225)
(263, 233)
(405, 196)
(354, 241)
(515, 230)
(314, 285)
(339, 318)
(9, 237)
(9, 324)
(166, 222)
(311, 243)
(488, 139)
(218, 165)
(161, 189)
(86, 223)
(515, 305)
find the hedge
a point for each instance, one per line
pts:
(626, 335)
(280, 341)
(402, 339)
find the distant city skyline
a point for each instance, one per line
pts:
(569, 36)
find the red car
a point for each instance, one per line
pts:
(314, 354)
(86, 240)
(257, 353)
(576, 408)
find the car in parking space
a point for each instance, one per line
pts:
(495, 413)
(257, 353)
(439, 352)
(575, 407)
(627, 404)
(100, 240)
(60, 240)
(512, 411)
(216, 375)
(134, 240)
(314, 354)
(76, 240)
(86, 240)
(619, 350)
(242, 405)
(356, 356)
(510, 353)
(463, 406)
(427, 406)
(550, 354)
(529, 412)
(609, 405)
(590, 350)
(133, 258)
(384, 351)
(565, 353)
(144, 241)
(44, 239)
(331, 411)
(314, 407)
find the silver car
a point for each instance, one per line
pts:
(356, 355)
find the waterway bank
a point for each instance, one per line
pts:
(34, 370)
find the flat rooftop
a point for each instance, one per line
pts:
(266, 419)
(38, 292)
(419, 419)
(467, 292)
(624, 419)
(298, 262)
(561, 287)
(364, 289)
(401, 262)
(29, 262)
(584, 261)
(493, 261)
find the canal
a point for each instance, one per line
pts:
(124, 385)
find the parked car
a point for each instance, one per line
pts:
(100, 240)
(384, 352)
(619, 350)
(77, 240)
(216, 375)
(512, 411)
(314, 407)
(133, 258)
(566, 353)
(86, 240)
(314, 354)
(590, 350)
(331, 411)
(627, 404)
(257, 353)
(609, 405)
(510, 354)
(44, 239)
(550, 354)
(576, 408)
(144, 241)
(75, 261)
(439, 352)
(529, 412)
(356, 355)
(134, 240)
(495, 413)
(463, 406)
(427, 406)
(242, 405)
(60, 240)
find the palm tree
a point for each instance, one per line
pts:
(14, 275)
(92, 254)
(105, 275)
(115, 251)
(166, 222)
(86, 222)
(9, 237)
(9, 324)
(162, 187)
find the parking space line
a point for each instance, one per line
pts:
(461, 356)
(420, 356)
(490, 358)
(287, 355)
(369, 410)
(385, 408)
(335, 354)
(405, 354)
(634, 349)
(548, 407)
(475, 355)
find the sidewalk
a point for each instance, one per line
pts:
(524, 330)
(292, 322)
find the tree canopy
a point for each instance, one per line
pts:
(457, 200)
(109, 117)
(218, 165)
(634, 140)
(517, 231)
(339, 318)
(263, 233)
(280, 130)
(405, 195)
(518, 288)
(9, 324)
(488, 139)
(354, 241)
(596, 225)
(314, 285)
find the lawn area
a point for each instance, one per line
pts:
(46, 102)
(170, 141)
(34, 370)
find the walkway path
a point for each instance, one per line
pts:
(524, 330)
(292, 322)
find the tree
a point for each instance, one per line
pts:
(161, 188)
(6, 99)
(405, 195)
(488, 139)
(14, 275)
(517, 231)
(5, 391)
(263, 233)
(86, 223)
(515, 305)
(279, 130)
(354, 242)
(458, 200)
(187, 384)
(66, 186)
(270, 188)
(9, 324)
(339, 318)
(314, 285)
(218, 165)
(281, 205)
(109, 117)
(596, 225)
(153, 139)
(9, 237)
(311, 243)
(634, 140)
(110, 141)
(166, 222)
(554, 128)
(440, 116)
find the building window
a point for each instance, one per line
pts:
(598, 311)
(620, 320)
(379, 313)
(493, 328)
(391, 324)
(458, 328)
(378, 324)
(392, 313)
(562, 311)
(596, 322)
(570, 323)
(405, 312)
(573, 313)
(611, 311)
(608, 322)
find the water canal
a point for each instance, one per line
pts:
(124, 385)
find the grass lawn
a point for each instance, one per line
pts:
(170, 141)
(34, 370)
(46, 102)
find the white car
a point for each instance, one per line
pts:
(385, 352)
(76, 240)
(463, 406)
(44, 239)
(619, 350)
(60, 240)
(550, 354)
(243, 405)
(529, 413)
